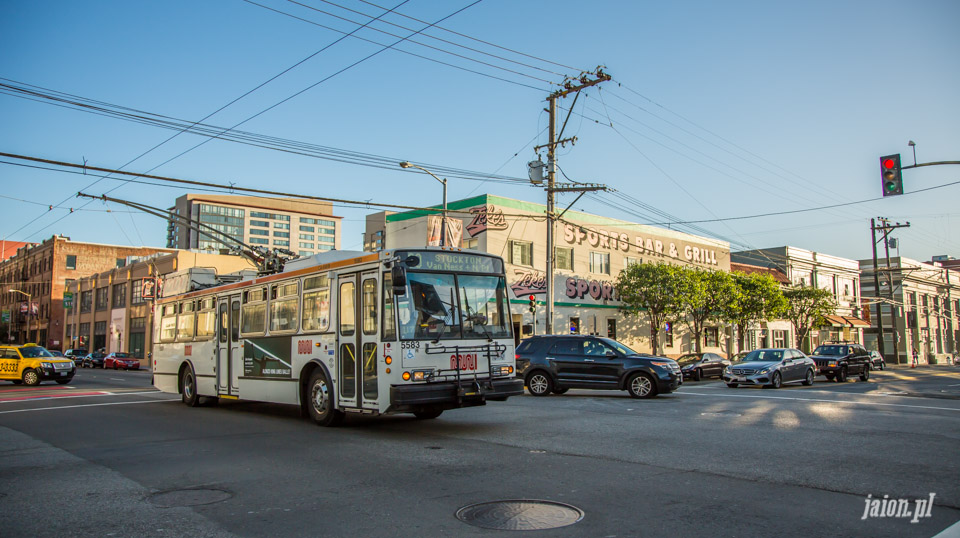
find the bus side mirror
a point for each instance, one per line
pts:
(398, 276)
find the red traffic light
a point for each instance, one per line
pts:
(533, 298)
(888, 163)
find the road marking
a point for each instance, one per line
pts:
(86, 405)
(74, 395)
(822, 400)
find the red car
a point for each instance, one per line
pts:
(121, 360)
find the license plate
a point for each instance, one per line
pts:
(63, 373)
(741, 379)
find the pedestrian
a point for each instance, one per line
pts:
(916, 358)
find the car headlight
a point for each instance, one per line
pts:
(764, 371)
(46, 364)
(661, 364)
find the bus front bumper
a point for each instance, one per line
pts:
(451, 395)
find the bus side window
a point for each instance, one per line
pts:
(223, 323)
(254, 312)
(235, 320)
(283, 307)
(316, 304)
(389, 333)
(347, 314)
(369, 306)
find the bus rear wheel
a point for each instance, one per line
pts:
(320, 403)
(427, 413)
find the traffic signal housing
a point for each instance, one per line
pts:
(533, 303)
(891, 178)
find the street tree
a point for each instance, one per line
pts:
(706, 296)
(655, 289)
(807, 308)
(757, 297)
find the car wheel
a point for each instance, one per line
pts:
(31, 377)
(641, 385)
(842, 375)
(188, 388)
(560, 390)
(809, 379)
(428, 413)
(776, 381)
(865, 374)
(697, 374)
(320, 404)
(63, 381)
(881, 366)
(733, 385)
(539, 384)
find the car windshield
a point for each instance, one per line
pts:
(619, 347)
(121, 355)
(688, 359)
(34, 351)
(831, 350)
(764, 355)
(97, 355)
(76, 352)
(444, 305)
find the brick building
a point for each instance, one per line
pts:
(33, 280)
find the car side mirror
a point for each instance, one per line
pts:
(611, 354)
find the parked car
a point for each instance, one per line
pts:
(93, 360)
(739, 356)
(696, 366)
(77, 355)
(838, 361)
(55, 352)
(31, 364)
(771, 367)
(119, 359)
(556, 363)
(876, 360)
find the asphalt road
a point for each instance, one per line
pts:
(108, 456)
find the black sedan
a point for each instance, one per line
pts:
(93, 360)
(556, 363)
(697, 366)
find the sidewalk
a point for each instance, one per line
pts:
(927, 381)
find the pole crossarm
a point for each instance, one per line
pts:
(577, 187)
(938, 163)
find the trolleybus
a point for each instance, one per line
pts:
(400, 331)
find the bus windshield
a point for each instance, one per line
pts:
(444, 305)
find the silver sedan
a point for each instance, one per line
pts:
(771, 367)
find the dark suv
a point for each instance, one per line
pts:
(555, 363)
(838, 361)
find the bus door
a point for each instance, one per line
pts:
(229, 356)
(357, 334)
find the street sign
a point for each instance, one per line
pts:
(5, 316)
(68, 299)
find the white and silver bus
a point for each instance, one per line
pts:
(402, 331)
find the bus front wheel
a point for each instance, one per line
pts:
(188, 387)
(320, 405)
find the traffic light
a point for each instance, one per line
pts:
(533, 303)
(890, 175)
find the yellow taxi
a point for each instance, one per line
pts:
(30, 364)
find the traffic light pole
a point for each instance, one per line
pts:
(886, 228)
(876, 288)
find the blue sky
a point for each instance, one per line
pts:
(716, 110)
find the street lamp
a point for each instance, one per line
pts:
(29, 309)
(443, 223)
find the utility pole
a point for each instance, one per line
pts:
(552, 187)
(886, 228)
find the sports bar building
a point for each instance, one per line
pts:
(591, 250)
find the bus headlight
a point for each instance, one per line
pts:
(502, 370)
(422, 375)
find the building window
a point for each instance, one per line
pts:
(305, 253)
(121, 262)
(306, 245)
(71, 261)
(668, 335)
(471, 244)
(779, 338)
(574, 325)
(612, 328)
(281, 225)
(86, 301)
(281, 243)
(322, 222)
(281, 234)
(259, 241)
(119, 295)
(102, 296)
(136, 292)
(307, 237)
(627, 262)
(328, 240)
(600, 262)
(521, 253)
(263, 223)
(711, 337)
(564, 258)
(258, 231)
(310, 229)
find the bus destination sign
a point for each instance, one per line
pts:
(457, 262)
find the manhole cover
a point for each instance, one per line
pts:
(520, 515)
(189, 497)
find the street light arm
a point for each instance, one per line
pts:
(406, 164)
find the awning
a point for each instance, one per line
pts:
(846, 321)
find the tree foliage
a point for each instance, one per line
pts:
(757, 297)
(654, 288)
(806, 308)
(706, 296)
